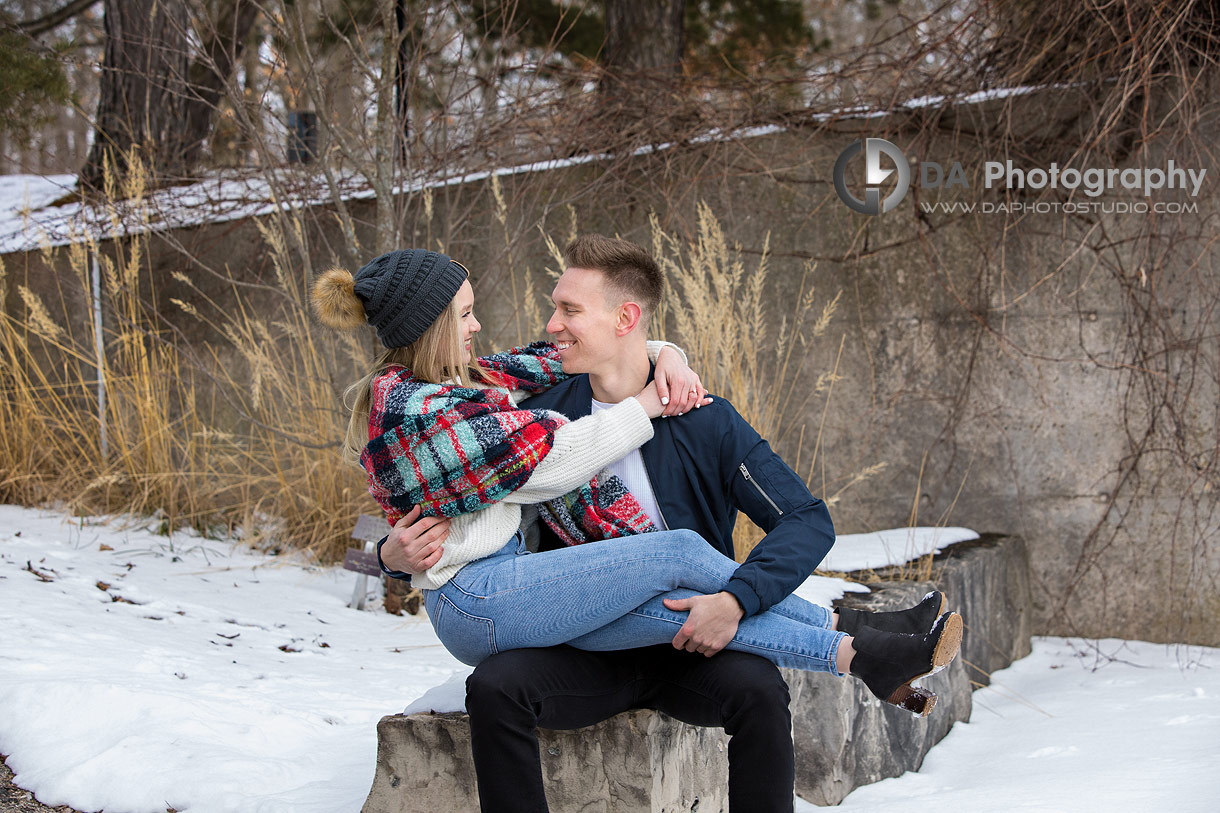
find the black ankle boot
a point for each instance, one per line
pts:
(887, 662)
(912, 621)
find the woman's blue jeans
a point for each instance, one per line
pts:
(608, 595)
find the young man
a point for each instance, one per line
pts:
(696, 473)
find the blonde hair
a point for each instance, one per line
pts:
(435, 357)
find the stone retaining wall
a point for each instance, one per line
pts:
(646, 762)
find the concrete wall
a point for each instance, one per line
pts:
(1048, 376)
(1017, 373)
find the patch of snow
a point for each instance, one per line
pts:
(20, 193)
(976, 97)
(1078, 725)
(449, 696)
(825, 590)
(897, 546)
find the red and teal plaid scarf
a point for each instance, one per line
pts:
(453, 450)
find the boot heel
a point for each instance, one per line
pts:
(948, 644)
(887, 662)
(915, 699)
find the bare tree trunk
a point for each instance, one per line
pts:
(251, 135)
(402, 79)
(387, 130)
(143, 88)
(223, 48)
(644, 36)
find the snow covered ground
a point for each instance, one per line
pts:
(1096, 726)
(140, 672)
(235, 682)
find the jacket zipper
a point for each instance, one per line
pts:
(750, 479)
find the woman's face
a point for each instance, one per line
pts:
(468, 325)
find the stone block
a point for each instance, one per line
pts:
(637, 762)
(844, 738)
(646, 762)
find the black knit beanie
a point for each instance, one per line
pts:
(404, 291)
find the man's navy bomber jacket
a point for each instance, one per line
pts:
(705, 466)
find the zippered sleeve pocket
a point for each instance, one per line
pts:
(753, 481)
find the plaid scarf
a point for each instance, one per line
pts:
(453, 450)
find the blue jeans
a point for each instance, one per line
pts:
(608, 595)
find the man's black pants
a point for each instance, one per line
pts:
(512, 693)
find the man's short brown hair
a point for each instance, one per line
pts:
(629, 270)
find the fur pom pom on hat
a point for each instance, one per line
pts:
(400, 293)
(335, 301)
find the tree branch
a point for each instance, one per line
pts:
(50, 20)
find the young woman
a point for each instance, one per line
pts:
(435, 428)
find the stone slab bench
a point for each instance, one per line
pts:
(646, 762)
(636, 761)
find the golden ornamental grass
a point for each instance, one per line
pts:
(242, 432)
(747, 346)
(244, 437)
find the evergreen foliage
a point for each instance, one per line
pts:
(33, 85)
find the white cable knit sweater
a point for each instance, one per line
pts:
(582, 448)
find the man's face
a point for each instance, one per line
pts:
(584, 324)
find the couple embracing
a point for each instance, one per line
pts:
(576, 548)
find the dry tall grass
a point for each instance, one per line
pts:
(165, 439)
(748, 347)
(243, 433)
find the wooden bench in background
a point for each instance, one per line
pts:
(399, 595)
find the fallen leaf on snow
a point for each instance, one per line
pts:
(41, 576)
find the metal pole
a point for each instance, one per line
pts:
(100, 352)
